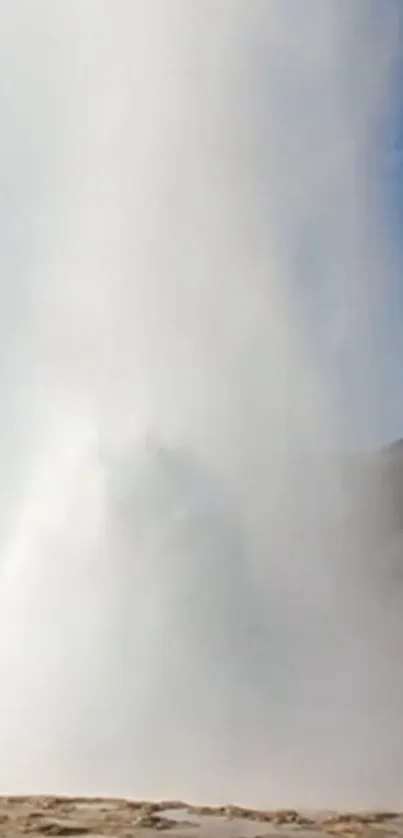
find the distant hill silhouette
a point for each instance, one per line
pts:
(390, 486)
(380, 515)
(395, 447)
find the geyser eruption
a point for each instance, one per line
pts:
(194, 254)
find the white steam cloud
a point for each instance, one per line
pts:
(194, 254)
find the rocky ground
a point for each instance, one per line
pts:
(47, 816)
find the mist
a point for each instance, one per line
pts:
(194, 293)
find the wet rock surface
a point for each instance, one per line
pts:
(61, 816)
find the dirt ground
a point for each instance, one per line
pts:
(46, 816)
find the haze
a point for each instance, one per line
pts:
(194, 257)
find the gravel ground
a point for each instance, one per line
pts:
(46, 816)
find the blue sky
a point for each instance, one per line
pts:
(392, 194)
(381, 417)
